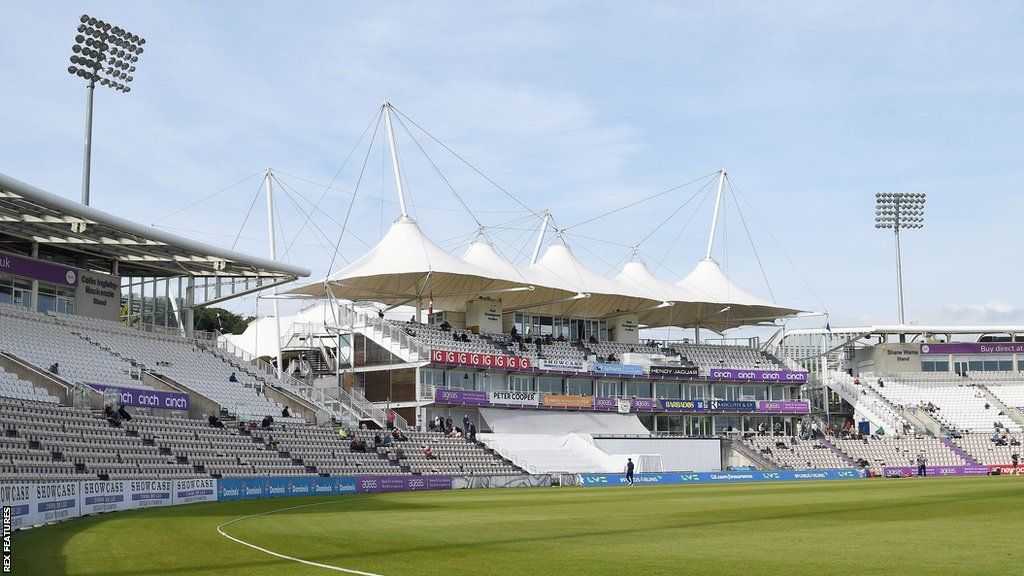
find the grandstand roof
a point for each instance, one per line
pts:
(89, 238)
(406, 267)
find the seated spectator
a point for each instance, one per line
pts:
(55, 368)
(286, 413)
(455, 337)
(111, 416)
(445, 326)
(561, 337)
(592, 340)
(342, 433)
(386, 441)
(611, 357)
(1014, 441)
(214, 421)
(464, 338)
(123, 414)
(399, 453)
(353, 445)
(380, 313)
(428, 454)
(376, 440)
(233, 378)
(267, 421)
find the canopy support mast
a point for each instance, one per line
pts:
(268, 180)
(714, 217)
(540, 237)
(394, 159)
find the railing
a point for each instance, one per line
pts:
(351, 318)
(866, 397)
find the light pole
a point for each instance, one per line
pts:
(105, 54)
(896, 210)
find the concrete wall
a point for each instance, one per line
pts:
(483, 315)
(889, 358)
(38, 377)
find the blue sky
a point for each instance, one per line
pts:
(576, 107)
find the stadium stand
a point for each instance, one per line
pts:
(449, 455)
(985, 450)
(951, 400)
(13, 387)
(718, 356)
(881, 451)
(321, 450)
(791, 452)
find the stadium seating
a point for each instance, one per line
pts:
(959, 404)
(898, 451)
(717, 356)
(982, 448)
(790, 452)
(323, 451)
(451, 455)
(13, 387)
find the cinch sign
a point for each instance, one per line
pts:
(494, 361)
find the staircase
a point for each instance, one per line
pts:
(386, 335)
(835, 449)
(959, 452)
(1011, 413)
(877, 409)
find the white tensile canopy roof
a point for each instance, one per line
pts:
(406, 266)
(722, 304)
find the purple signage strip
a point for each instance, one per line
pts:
(38, 270)
(376, 484)
(890, 471)
(146, 398)
(735, 375)
(973, 348)
(470, 397)
(605, 404)
(784, 406)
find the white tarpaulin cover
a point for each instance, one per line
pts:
(553, 453)
(551, 422)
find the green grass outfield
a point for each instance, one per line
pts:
(904, 527)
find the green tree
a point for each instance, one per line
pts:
(221, 320)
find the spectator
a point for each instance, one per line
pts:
(448, 425)
(232, 378)
(455, 337)
(55, 368)
(464, 338)
(445, 326)
(391, 419)
(880, 383)
(561, 337)
(386, 441)
(353, 445)
(472, 431)
(1015, 459)
(123, 414)
(465, 422)
(428, 454)
(412, 320)
(399, 453)
(433, 425)
(760, 429)
(380, 313)
(922, 461)
(286, 413)
(376, 440)
(342, 433)
(987, 406)
(214, 421)
(111, 416)
(267, 421)
(592, 340)
(611, 357)
(629, 471)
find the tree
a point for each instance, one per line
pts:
(221, 321)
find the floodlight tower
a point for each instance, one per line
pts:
(896, 210)
(105, 54)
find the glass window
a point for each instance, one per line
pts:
(976, 365)
(546, 323)
(638, 389)
(1005, 365)
(579, 387)
(747, 392)
(461, 380)
(991, 365)
(778, 393)
(549, 385)
(668, 390)
(695, 391)
(942, 365)
(718, 391)
(47, 301)
(521, 383)
(612, 388)
(432, 377)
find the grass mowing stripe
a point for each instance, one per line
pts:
(220, 530)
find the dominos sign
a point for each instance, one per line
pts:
(486, 361)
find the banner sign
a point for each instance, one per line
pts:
(673, 371)
(562, 366)
(486, 361)
(513, 398)
(376, 484)
(613, 368)
(194, 490)
(257, 487)
(38, 270)
(733, 375)
(150, 493)
(900, 471)
(720, 477)
(644, 404)
(606, 404)
(731, 405)
(470, 397)
(146, 398)
(784, 406)
(974, 348)
(39, 503)
(106, 496)
(561, 401)
(680, 405)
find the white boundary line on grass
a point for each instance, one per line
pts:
(283, 556)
